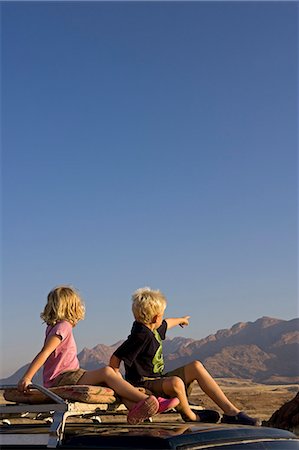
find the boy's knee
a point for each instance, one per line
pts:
(197, 365)
(177, 384)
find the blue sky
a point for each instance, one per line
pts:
(148, 143)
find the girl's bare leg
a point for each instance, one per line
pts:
(196, 371)
(116, 382)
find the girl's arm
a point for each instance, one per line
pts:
(49, 347)
(173, 322)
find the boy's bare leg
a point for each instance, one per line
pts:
(107, 375)
(175, 387)
(196, 371)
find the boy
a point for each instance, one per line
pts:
(143, 360)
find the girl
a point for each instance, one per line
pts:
(64, 309)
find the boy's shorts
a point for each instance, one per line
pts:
(69, 377)
(155, 385)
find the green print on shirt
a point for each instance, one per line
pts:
(158, 362)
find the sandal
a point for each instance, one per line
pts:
(167, 403)
(143, 410)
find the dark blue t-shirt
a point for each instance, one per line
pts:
(142, 352)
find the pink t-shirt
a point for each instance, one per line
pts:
(64, 356)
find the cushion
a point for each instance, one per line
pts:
(78, 393)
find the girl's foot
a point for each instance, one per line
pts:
(143, 410)
(167, 403)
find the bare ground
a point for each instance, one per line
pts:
(259, 400)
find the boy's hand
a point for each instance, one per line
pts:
(184, 321)
(175, 321)
(117, 371)
(115, 363)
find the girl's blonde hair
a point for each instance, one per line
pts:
(63, 303)
(147, 303)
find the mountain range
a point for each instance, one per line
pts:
(265, 351)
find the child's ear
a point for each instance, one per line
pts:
(155, 319)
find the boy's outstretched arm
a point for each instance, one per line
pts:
(182, 321)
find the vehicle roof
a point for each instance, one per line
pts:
(165, 435)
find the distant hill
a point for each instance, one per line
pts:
(266, 351)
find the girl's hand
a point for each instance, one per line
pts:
(23, 384)
(50, 345)
(184, 321)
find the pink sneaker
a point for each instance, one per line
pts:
(143, 410)
(167, 403)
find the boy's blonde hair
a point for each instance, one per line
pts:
(147, 303)
(63, 303)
